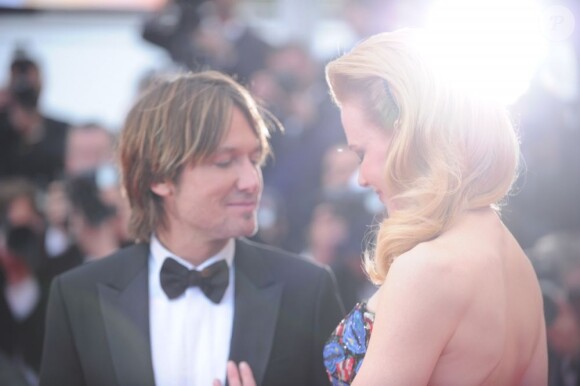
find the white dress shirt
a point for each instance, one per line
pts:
(190, 335)
(22, 297)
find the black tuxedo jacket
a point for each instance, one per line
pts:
(97, 330)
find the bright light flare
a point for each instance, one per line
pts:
(491, 47)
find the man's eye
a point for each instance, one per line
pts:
(257, 158)
(223, 164)
(360, 155)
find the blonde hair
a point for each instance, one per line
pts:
(449, 151)
(177, 121)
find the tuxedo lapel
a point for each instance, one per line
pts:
(257, 302)
(124, 302)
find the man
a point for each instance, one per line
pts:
(88, 147)
(191, 151)
(31, 144)
(22, 300)
(208, 34)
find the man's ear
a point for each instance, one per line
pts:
(162, 189)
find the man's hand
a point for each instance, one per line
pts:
(241, 376)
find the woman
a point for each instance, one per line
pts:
(458, 302)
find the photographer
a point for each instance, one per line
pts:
(22, 299)
(93, 217)
(31, 144)
(208, 34)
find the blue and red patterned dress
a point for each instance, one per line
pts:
(345, 349)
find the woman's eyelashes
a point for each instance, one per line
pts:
(360, 155)
(358, 151)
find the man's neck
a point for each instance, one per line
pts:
(191, 248)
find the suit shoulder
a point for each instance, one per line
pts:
(123, 261)
(281, 260)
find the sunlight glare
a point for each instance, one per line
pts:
(491, 47)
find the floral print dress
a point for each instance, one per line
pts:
(345, 349)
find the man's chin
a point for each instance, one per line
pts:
(252, 232)
(248, 230)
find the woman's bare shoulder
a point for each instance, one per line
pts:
(431, 269)
(441, 257)
(451, 264)
(444, 269)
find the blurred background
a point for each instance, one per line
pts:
(70, 70)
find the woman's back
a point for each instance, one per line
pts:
(501, 333)
(469, 312)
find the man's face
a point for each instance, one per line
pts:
(87, 149)
(218, 198)
(29, 75)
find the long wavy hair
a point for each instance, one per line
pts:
(450, 151)
(179, 120)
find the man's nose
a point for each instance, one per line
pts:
(250, 178)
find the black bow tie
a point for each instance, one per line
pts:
(213, 280)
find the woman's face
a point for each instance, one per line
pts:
(371, 143)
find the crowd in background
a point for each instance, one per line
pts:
(61, 204)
